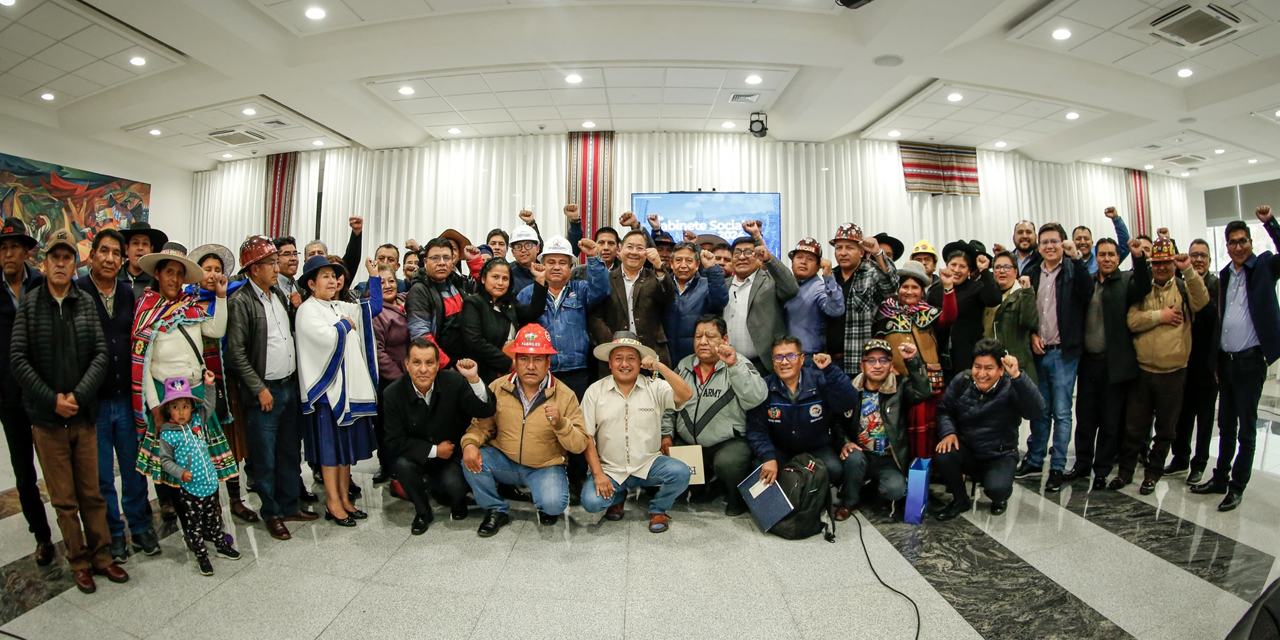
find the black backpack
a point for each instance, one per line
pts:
(805, 482)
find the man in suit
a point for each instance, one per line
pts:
(639, 295)
(1201, 396)
(756, 298)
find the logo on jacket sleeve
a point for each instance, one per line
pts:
(775, 413)
(816, 411)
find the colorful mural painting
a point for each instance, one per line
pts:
(49, 197)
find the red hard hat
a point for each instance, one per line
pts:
(531, 339)
(254, 249)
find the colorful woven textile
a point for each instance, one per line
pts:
(282, 168)
(1139, 200)
(939, 168)
(591, 177)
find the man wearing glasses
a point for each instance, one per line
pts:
(434, 302)
(1200, 397)
(800, 412)
(525, 242)
(1249, 328)
(755, 310)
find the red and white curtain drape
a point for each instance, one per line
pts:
(1139, 200)
(282, 171)
(591, 177)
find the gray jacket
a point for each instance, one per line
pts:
(718, 410)
(773, 287)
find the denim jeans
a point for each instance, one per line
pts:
(275, 449)
(549, 485)
(668, 473)
(118, 442)
(1057, 380)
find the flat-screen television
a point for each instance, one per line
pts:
(720, 213)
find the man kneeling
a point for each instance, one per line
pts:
(978, 420)
(623, 416)
(537, 423)
(877, 432)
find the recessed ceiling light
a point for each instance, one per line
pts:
(47, 96)
(226, 155)
(1253, 161)
(406, 91)
(1148, 167)
(1177, 139)
(137, 61)
(1061, 34)
(1001, 144)
(455, 130)
(250, 112)
(1185, 73)
(588, 125)
(728, 125)
(754, 79)
(7, 3)
(895, 133)
(826, 168)
(317, 143)
(315, 13)
(955, 97)
(1107, 159)
(154, 132)
(887, 61)
(1278, 114)
(1219, 151)
(1185, 174)
(573, 78)
(1071, 115)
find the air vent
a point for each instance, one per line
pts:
(744, 98)
(238, 137)
(275, 123)
(1183, 160)
(1194, 25)
(1151, 147)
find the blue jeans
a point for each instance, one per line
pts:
(1057, 380)
(549, 485)
(117, 434)
(668, 473)
(275, 449)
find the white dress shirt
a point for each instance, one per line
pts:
(477, 388)
(627, 429)
(281, 360)
(735, 316)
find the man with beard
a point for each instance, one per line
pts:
(1024, 246)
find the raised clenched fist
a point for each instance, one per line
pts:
(708, 259)
(1011, 366)
(1162, 233)
(727, 354)
(588, 248)
(1263, 213)
(539, 273)
(653, 222)
(821, 360)
(753, 227)
(1069, 248)
(526, 216)
(651, 254)
(870, 245)
(826, 267)
(628, 219)
(946, 278)
(371, 266)
(908, 350)
(762, 254)
(356, 223)
(997, 248)
(650, 363)
(1024, 282)
(690, 236)
(469, 370)
(1135, 248)
(470, 252)
(552, 412)
(1182, 261)
(1110, 212)
(983, 263)
(571, 212)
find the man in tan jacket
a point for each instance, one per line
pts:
(1161, 326)
(526, 442)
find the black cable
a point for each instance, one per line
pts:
(877, 575)
(12, 635)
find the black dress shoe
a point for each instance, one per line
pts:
(1054, 483)
(546, 519)
(493, 521)
(459, 512)
(1230, 502)
(957, 507)
(341, 522)
(420, 525)
(1211, 487)
(1148, 487)
(381, 476)
(354, 491)
(998, 508)
(1075, 474)
(308, 497)
(45, 552)
(1175, 468)
(1117, 483)
(1099, 483)
(1025, 470)
(1195, 477)
(357, 514)
(509, 492)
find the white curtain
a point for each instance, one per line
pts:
(229, 203)
(306, 196)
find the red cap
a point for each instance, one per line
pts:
(531, 339)
(254, 249)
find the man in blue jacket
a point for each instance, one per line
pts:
(696, 296)
(1249, 329)
(821, 298)
(978, 419)
(800, 415)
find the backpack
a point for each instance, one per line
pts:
(806, 484)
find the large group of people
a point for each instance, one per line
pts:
(567, 373)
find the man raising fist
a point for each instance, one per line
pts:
(700, 290)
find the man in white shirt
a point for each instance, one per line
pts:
(623, 416)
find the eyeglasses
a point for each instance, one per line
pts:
(874, 361)
(1003, 267)
(744, 252)
(1202, 256)
(1242, 242)
(438, 258)
(1051, 241)
(786, 357)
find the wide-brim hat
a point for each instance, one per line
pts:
(222, 253)
(16, 229)
(149, 262)
(970, 253)
(913, 269)
(158, 238)
(622, 339)
(894, 244)
(313, 266)
(178, 388)
(709, 238)
(456, 236)
(531, 339)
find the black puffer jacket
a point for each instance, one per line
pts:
(485, 328)
(10, 391)
(425, 302)
(58, 350)
(987, 423)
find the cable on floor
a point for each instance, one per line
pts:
(877, 574)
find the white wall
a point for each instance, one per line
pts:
(170, 186)
(1196, 212)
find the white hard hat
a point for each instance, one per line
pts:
(557, 245)
(524, 233)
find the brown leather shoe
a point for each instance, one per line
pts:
(615, 512)
(84, 581)
(114, 573)
(45, 552)
(303, 515)
(275, 527)
(843, 513)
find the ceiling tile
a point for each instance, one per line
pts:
(1042, 36)
(381, 10)
(54, 21)
(1268, 8)
(183, 124)
(1036, 109)
(24, 40)
(474, 101)
(1107, 48)
(704, 78)
(949, 126)
(968, 97)
(987, 130)
(35, 71)
(98, 41)
(64, 57)
(549, 127)
(498, 129)
(1226, 56)
(448, 119)
(1011, 120)
(636, 110)
(974, 115)
(424, 105)
(442, 132)
(635, 76)
(215, 119)
(1264, 42)
(685, 111)
(912, 122)
(555, 78)
(74, 85)
(769, 80)
(15, 86)
(9, 58)
(683, 124)
(1170, 74)
(104, 73)
(525, 99)
(1148, 61)
(458, 85)
(635, 124)
(292, 14)
(584, 111)
(485, 116)
(635, 95)
(926, 110)
(1046, 126)
(515, 81)
(391, 90)
(460, 5)
(995, 102)
(1104, 14)
(576, 125)
(534, 113)
(579, 96)
(19, 9)
(689, 96)
(966, 140)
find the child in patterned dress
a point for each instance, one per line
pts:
(185, 454)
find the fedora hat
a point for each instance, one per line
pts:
(16, 229)
(149, 262)
(158, 238)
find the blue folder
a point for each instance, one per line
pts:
(768, 506)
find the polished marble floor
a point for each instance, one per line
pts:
(1069, 565)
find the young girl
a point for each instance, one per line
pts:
(187, 450)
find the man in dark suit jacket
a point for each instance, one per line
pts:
(768, 284)
(426, 413)
(638, 298)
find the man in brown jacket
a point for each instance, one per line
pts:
(527, 441)
(640, 293)
(1161, 326)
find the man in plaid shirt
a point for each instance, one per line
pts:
(866, 284)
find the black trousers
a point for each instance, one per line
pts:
(1152, 394)
(1198, 403)
(996, 473)
(385, 459)
(17, 433)
(201, 519)
(1240, 378)
(578, 380)
(1100, 407)
(443, 475)
(730, 462)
